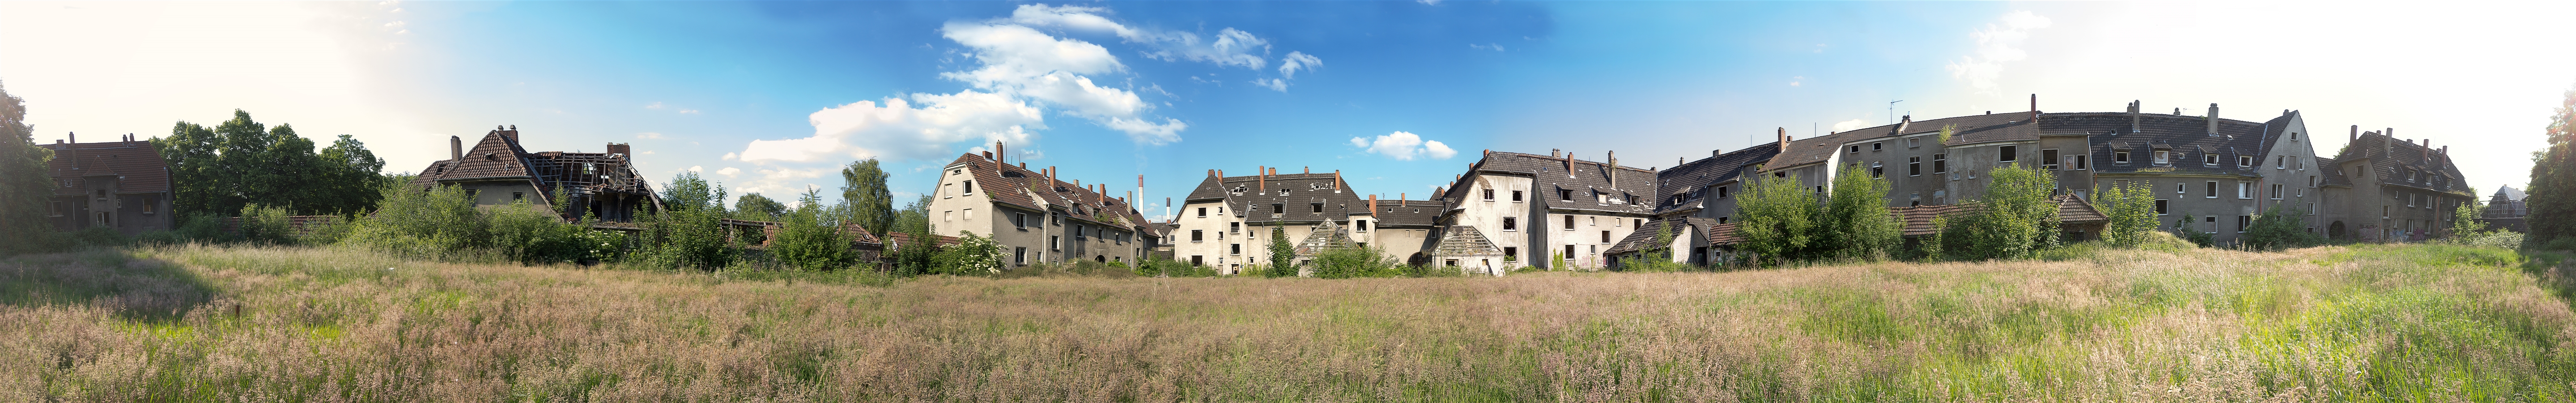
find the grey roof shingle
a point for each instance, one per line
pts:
(1683, 179)
(2392, 159)
(1019, 187)
(1632, 195)
(2187, 135)
(1293, 196)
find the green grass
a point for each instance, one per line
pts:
(2370, 323)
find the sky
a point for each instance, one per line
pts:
(774, 97)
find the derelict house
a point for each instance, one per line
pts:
(2391, 189)
(1225, 221)
(1034, 216)
(1554, 211)
(2506, 210)
(497, 170)
(123, 185)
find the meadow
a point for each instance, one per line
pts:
(262, 324)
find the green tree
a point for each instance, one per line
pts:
(2464, 221)
(1778, 218)
(2014, 218)
(863, 189)
(2552, 192)
(196, 180)
(688, 191)
(24, 189)
(754, 207)
(688, 233)
(2279, 228)
(1856, 223)
(1283, 255)
(915, 217)
(810, 241)
(219, 170)
(2131, 210)
(351, 176)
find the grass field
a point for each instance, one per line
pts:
(2366, 323)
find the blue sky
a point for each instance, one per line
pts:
(772, 97)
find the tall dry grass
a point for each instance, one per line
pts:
(2414, 323)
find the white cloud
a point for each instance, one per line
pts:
(1486, 46)
(1230, 47)
(1997, 44)
(729, 171)
(688, 111)
(1288, 66)
(791, 182)
(648, 135)
(1404, 146)
(695, 168)
(731, 156)
(1848, 125)
(1147, 132)
(655, 105)
(1793, 81)
(1272, 83)
(898, 130)
(1022, 62)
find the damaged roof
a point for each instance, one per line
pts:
(1680, 181)
(1632, 194)
(2395, 162)
(1017, 186)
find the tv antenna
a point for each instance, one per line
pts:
(1891, 111)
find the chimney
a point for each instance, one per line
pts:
(1372, 205)
(988, 155)
(75, 136)
(1556, 153)
(2034, 107)
(1716, 152)
(1569, 167)
(1211, 172)
(1308, 169)
(620, 148)
(2133, 116)
(2356, 133)
(1906, 122)
(1024, 165)
(1262, 178)
(1050, 172)
(1337, 181)
(1400, 198)
(456, 147)
(2213, 119)
(998, 153)
(1612, 169)
(1783, 133)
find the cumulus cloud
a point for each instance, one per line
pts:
(1404, 146)
(1228, 47)
(1288, 66)
(1997, 44)
(1848, 125)
(729, 171)
(1019, 61)
(898, 129)
(786, 180)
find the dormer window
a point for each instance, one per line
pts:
(1565, 194)
(2210, 159)
(2245, 161)
(2163, 157)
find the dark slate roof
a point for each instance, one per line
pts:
(1683, 179)
(1408, 213)
(1644, 236)
(1250, 197)
(2274, 129)
(1971, 129)
(2509, 193)
(2333, 177)
(1635, 190)
(137, 164)
(2187, 135)
(1020, 187)
(2389, 157)
(500, 157)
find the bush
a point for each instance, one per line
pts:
(1368, 261)
(2015, 217)
(2279, 229)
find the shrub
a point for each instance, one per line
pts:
(1779, 218)
(1855, 223)
(2015, 217)
(1358, 261)
(2279, 229)
(2131, 210)
(973, 255)
(808, 241)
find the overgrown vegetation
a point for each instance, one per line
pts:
(2346, 323)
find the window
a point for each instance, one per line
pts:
(1721, 192)
(2276, 191)
(2160, 207)
(2312, 181)
(2244, 190)
(1020, 255)
(947, 215)
(1511, 223)
(2280, 162)
(1234, 249)
(1725, 219)
(2243, 221)
(1202, 211)
(1877, 169)
(58, 208)
(1361, 224)
(2312, 208)
(2244, 161)
(1820, 189)
(1052, 243)
(1876, 146)
(1637, 222)
(1316, 207)
(1511, 251)
(1940, 163)
(2210, 159)
(2163, 157)
(1198, 260)
(1489, 194)
(1234, 227)
(1278, 208)
(1593, 221)
(1020, 220)
(1605, 236)
(1569, 251)
(970, 187)
(2294, 136)
(1198, 235)
(2119, 157)
(1516, 195)
(1565, 194)
(1913, 166)
(2008, 152)
(1855, 148)
(1913, 142)
(2048, 159)
(2212, 191)
(1569, 222)
(514, 196)
(2209, 224)
(2179, 186)
(1055, 219)
(968, 213)
(106, 219)
(1080, 232)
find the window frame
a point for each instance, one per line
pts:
(2048, 159)
(2008, 153)
(2120, 157)
(1940, 163)
(1914, 166)
(1511, 223)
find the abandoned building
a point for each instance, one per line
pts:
(1036, 217)
(2506, 210)
(123, 185)
(497, 170)
(1225, 222)
(1555, 211)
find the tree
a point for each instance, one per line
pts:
(1856, 223)
(1779, 218)
(2131, 211)
(218, 170)
(864, 190)
(2552, 192)
(1283, 255)
(195, 179)
(754, 207)
(2279, 228)
(688, 191)
(2014, 218)
(24, 189)
(2464, 221)
(914, 218)
(351, 175)
(808, 240)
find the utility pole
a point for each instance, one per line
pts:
(1891, 111)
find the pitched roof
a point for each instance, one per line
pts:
(1971, 129)
(497, 156)
(1020, 187)
(1680, 181)
(2332, 177)
(2073, 210)
(136, 164)
(1636, 186)
(2188, 135)
(1252, 197)
(2509, 193)
(1644, 237)
(2391, 159)
(1408, 213)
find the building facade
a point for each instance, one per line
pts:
(497, 170)
(2506, 210)
(123, 185)
(1037, 218)
(1545, 211)
(1226, 221)
(2392, 190)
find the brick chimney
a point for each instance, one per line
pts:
(1262, 181)
(2034, 107)
(2213, 119)
(1372, 205)
(1783, 134)
(998, 154)
(456, 148)
(2133, 116)
(1569, 166)
(2356, 134)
